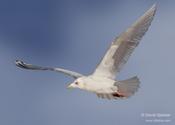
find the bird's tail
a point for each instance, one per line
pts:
(127, 88)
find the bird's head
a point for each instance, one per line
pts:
(78, 83)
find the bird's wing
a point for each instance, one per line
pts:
(23, 65)
(122, 47)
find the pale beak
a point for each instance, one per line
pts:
(70, 86)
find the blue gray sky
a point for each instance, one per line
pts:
(75, 35)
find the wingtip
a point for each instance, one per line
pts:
(154, 7)
(20, 63)
(152, 10)
(17, 62)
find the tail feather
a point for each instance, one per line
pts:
(128, 87)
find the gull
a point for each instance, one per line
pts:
(103, 81)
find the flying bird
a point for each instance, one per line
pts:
(103, 81)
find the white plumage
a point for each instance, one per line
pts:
(102, 82)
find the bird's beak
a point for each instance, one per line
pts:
(69, 86)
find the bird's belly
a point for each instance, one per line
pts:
(99, 87)
(93, 88)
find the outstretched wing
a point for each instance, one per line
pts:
(23, 65)
(122, 47)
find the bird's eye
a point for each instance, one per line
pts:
(76, 83)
